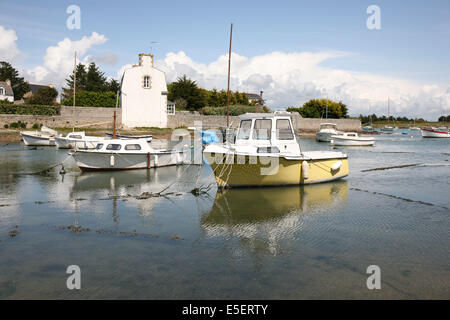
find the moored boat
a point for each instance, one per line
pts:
(266, 153)
(149, 138)
(77, 140)
(120, 154)
(45, 137)
(325, 132)
(435, 132)
(351, 139)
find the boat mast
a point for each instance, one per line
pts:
(229, 67)
(326, 114)
(74, 89)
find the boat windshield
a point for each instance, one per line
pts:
(244, 129)
(262, 129)
(284, 130)
(327, 126)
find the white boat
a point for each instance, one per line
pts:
(45, 137)
(77, 140)
(387, 129)
(351, 139)
(325, 132)
(435, 132)
(118, 154)
(266, 153)
(149, 138)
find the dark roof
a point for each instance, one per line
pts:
(36, 87)
(8, 89)
(170, 102)
(253, 96)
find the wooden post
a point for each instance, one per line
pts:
(74, 88)
(114, 125)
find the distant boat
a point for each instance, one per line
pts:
(149, 138)
(435, 132)
(387, 129)
(45, 137)
(351, 139)
(367, 129)
(325, 132)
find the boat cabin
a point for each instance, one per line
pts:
(270, 132)
(123, 146)
(328, 125)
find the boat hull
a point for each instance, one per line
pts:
(93, 161)
(37, 140)
(435, 133)
(323, 136)
(245, 171)
(352, 142)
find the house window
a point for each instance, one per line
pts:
(2, 91)
(171, 108)
(147, 83)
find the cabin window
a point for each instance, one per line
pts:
(113, 146)
(268, 150)
(262, 129)
(132, 147)
(2, 92)
(244, 129)
(284, 130)
(76, 136)
(99, 146)
(147, 82)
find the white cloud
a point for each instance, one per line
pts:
(58, 60)
(8, 47)
(290, 79)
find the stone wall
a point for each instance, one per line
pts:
(186, 119)
(102, 118)
(84, 117)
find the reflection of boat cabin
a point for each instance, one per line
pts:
(144, 95)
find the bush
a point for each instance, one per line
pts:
(235, 110)
(6, 126)
(43, 96)
(36, 126)
(29, 109)
(93, 99)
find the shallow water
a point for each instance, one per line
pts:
(271, 243)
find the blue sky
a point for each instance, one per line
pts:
(413, 43)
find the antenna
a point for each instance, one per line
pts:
(151, 45)
(228, 90)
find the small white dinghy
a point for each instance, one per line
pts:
(45, 137)
(351, 139)
(77, 140)
(119, 154)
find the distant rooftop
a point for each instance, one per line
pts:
(8, 89)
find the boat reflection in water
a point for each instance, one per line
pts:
(263, 218)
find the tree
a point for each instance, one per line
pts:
(113, 85)
(321, 108)
(81, 75)
(95, 79)
(18, 84)
(187, 89)
(43, 96)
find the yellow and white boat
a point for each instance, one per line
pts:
(266, 153)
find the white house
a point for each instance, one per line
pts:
(144, 95)
(6, 91)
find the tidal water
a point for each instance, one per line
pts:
(311, 242)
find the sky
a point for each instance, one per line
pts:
(293, 51)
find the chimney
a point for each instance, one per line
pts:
(8, 82)
(145, 59)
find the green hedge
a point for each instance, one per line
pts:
(29, 109)
(235, 110)
(93, 99)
